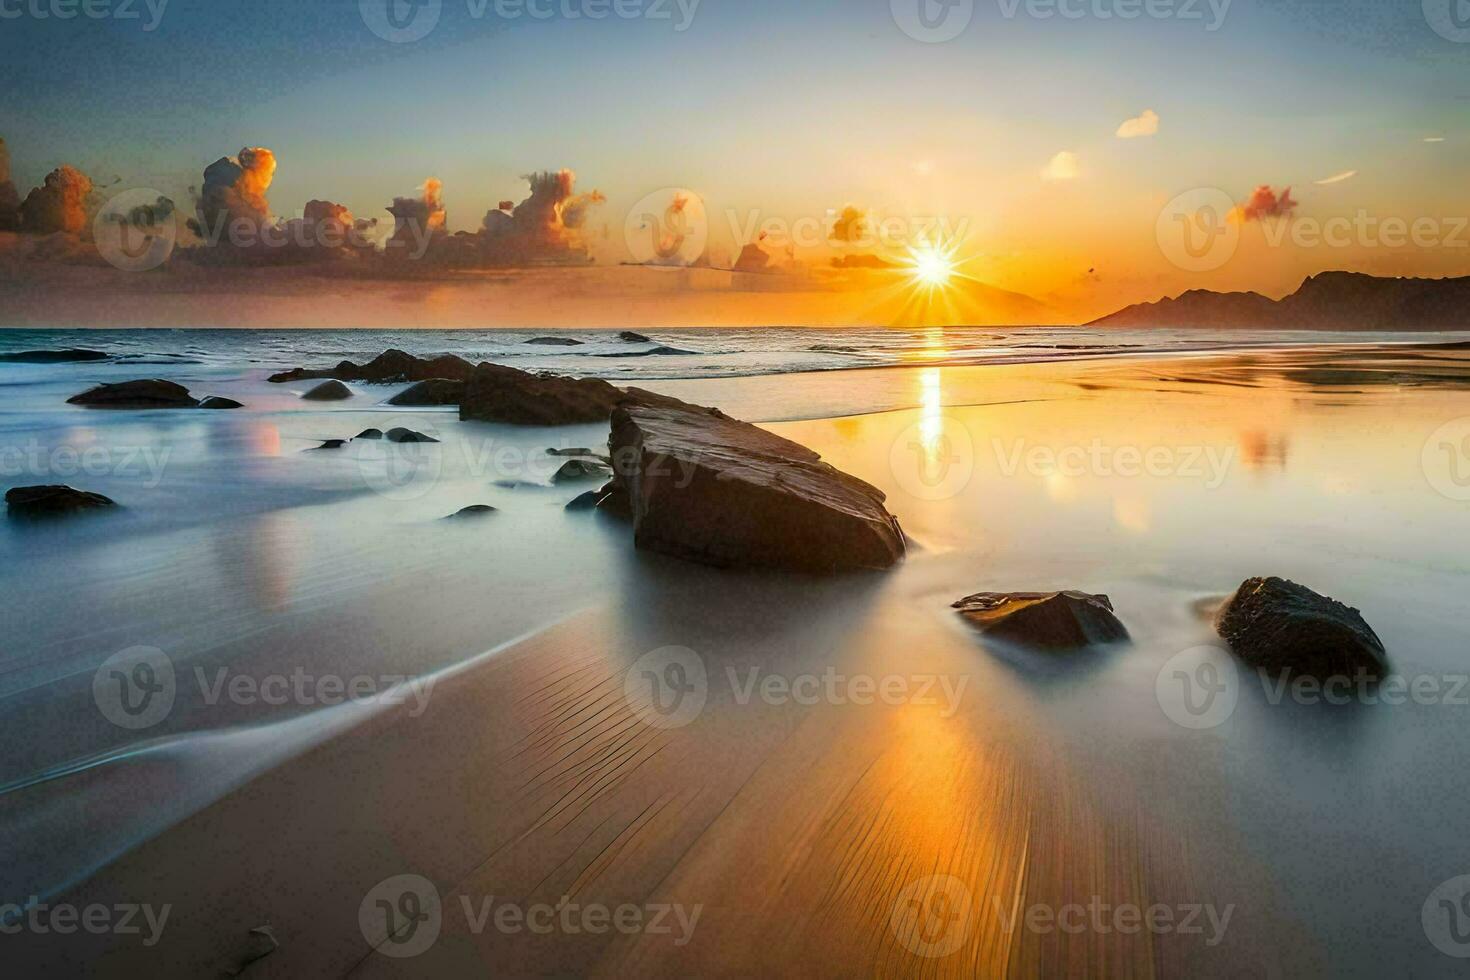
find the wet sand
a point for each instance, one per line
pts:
(813, 835)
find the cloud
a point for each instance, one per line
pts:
(549, 226)
(1338, 178)
(1063, 166)
(850, 226)
(1146, 124)
(417, 219)
(60, 204)
(1266, 203)
(1434, 139)
(753, 258)
(9, 199)
(235, 191)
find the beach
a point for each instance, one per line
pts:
(370, 702)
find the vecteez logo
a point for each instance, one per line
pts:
(1195, 231)
(932, 21)
(401, 21)
(137, 230)
(135, 689)
(1450, 19)
(668, 229)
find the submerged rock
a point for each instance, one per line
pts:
(571, 452)
(708, 488)
(656, 352)
(391, 365)
(53, 501)
(217, 403)
(435, 391)
(67, 356)
(581, 469)
(328, 391)
(408, 435)
(331, 444)
(477, 510)
(501, 394)
(370, 434)
(1277, 625)
(136, 395)
(1044, 620)
(555, 342)
(587, 501)
(634, 338)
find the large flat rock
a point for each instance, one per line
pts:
(496, 393)
(134, 395)
(708, 488)
(389, 366)
(53, 501)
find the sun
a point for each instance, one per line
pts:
(931, 266)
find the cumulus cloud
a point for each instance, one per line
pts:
(850, 226)
(1146, 124)
(235, 191)
(1337, 178)
(753, 258)
(416, 219)
(59, 204)
(1063, 166)
(1266, 203)
(549, 226)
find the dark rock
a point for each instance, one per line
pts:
(435, 391)
(408, 435)
(708, 488)
(218, 403)
(151, 393)
(389, 366)
(634, 338)
(1044, 620)
(581, 469)
(555, 342)
(331, 444)
(68, 356)
(656, 352)
(328, 391)
(53, 501)
(587, 501)
(501, 394)
(614, 501)
(1278, 625)
(370, 434)
(517, 485)
(570, 452)
(478, 510)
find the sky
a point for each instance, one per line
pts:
(778, 112)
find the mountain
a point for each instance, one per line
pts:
(1329, 301)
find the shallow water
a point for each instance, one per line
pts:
(240, 550)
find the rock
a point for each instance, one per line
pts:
(331, 444)
(435, 391)
(656, 352)
(151, 393)
(408, 435)
(570, 452)
(217, 403)
(555, 342)
(501, 394)
(370, 434)
(517, 485)
(581, 469)
(634, 338)
(614, 501)
(68, 356)
(391, 365)
(1278, 625)
(708, 488)
(328, 391)
(587, 501)
(478, 510)
(1044, 620)
(53, 501)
